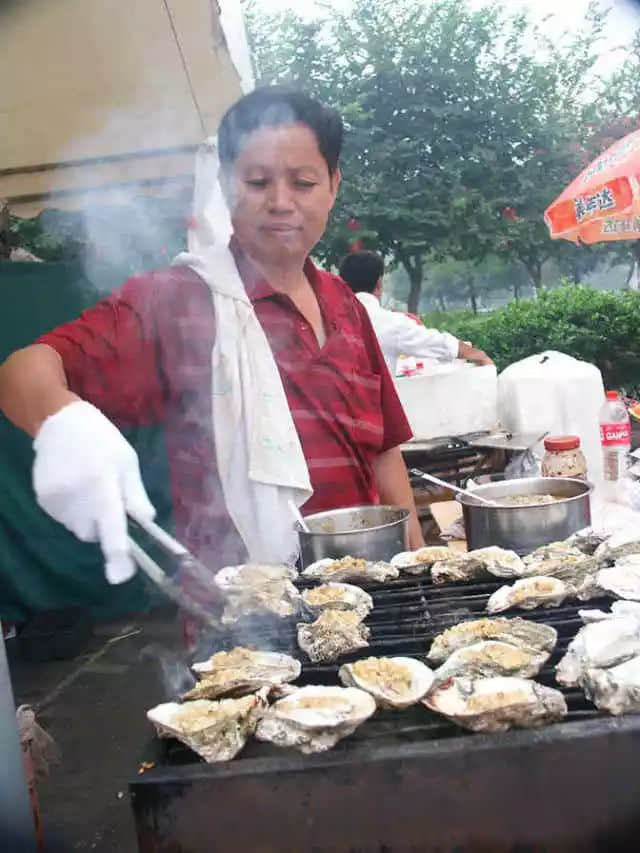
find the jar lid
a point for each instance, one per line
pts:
(613, 395)
(555, 443)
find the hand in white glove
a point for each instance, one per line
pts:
(87, 476)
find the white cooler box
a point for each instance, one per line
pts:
(452, 399)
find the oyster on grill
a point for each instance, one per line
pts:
(599, 645)
(458, 567)
(393, 682)
(621, 544)
(241, 671)
(216, 731)
(334, 633)
(419, 562)
(516, 631)
(587, 541)
(491, 658)
(337, 596)
(499, 562)
(548, 558)
(623, 579)
(527, 593)
(497, 704)
(253, 575)
(315, 718)
(258, 589)
(616, 690)
(351, 569)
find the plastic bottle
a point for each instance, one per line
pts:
(615, 436)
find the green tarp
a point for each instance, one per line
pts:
(41, 564)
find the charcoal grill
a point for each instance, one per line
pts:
(406, 781)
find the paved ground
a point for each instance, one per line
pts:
(94, 707)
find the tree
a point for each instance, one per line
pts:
(462, 124)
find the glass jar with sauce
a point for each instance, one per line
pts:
(563, 457)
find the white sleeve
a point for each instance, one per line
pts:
(414, 339)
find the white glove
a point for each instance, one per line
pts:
(87, 476)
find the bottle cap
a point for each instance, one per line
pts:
(613, 395)
(555, 443)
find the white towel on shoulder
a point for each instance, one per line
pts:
(258, 451)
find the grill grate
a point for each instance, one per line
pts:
(408, 613)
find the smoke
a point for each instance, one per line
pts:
(173, 672)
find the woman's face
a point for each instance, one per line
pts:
(280, 194)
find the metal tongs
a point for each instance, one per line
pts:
(185, 560)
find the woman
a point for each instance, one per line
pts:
(171, 346)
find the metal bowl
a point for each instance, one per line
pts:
(371, 532)
(524, 528)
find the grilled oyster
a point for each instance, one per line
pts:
(217, 731)
(258, 589)
(334, 633)
(621, 544)
(527, 593)
(552, 558)
(497, 704)
(599, 645)
(616, 690)
(313, 719)
(351, 569)
(491, 658)
(499, 562)
(253, 575)
(622, 580)
(588, 541)
(242, 671)
(458, 567)
(419, 562)
(516, 631)
(393, 682)
(338, 596)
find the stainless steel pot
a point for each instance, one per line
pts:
(524, 528)
(371, 532)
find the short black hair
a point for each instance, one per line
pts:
(362, 271)
(272, 106)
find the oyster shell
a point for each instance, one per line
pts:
(491, 658)
(621, 544)
(616, 690)
(337, 596)
(497, 704)
(351, 569)
(499, 562)
(393, 682)
(253, 575)
(258, 589)
(458, 567)
(527, 593)
(419, 562)
(334, 633)
(597, 645)
(216, 731)
(551, 560)
(588, 541)
(623, 580)
(516, 631)
(242, 671)
(313, 719)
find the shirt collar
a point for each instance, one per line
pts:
(255, 284)
(369, 301)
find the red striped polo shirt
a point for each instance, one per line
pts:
(143, 356)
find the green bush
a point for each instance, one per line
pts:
(598, 326)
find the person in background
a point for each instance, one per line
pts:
(399, 334)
